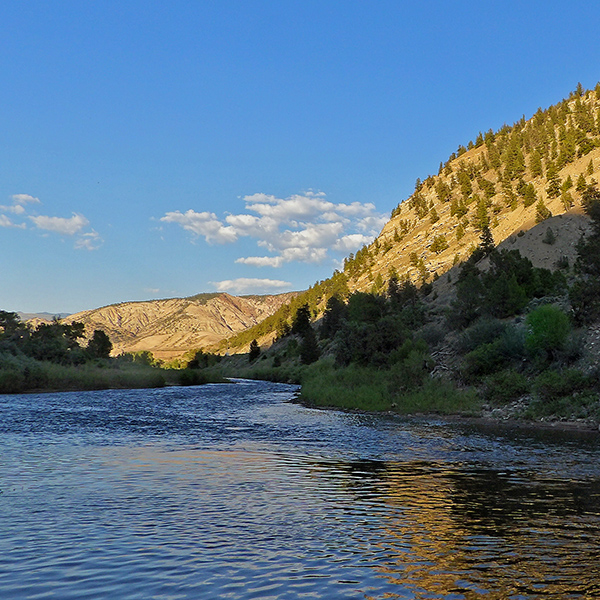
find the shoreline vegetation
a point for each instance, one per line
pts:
(507, 345)
(493, 337)
(52, 357)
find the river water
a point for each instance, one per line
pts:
(231, 491)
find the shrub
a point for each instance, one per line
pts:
(551, 385)
(505, 386)
(547, 330)
(494, 356)
(483, 331)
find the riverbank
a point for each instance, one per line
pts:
(372, 391)
(44, 377)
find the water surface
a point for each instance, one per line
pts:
(231, 491)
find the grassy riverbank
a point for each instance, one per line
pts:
(30, 375)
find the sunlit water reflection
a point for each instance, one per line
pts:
(230, 491)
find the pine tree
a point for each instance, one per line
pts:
(486, 243)
(301, 322)
(590, 167)
(309, 347)
(541, 212)
(535, 164)
(581, 183)
(566, 199)
(439, 244)
(567, 184)
(529, 195)
(553, 188)
(254, 351)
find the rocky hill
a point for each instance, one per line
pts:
(505, 182)
(169, 328)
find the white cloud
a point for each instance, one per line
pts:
(352, 242)
(247, 285)
(204, 223)
(16, 209)
(25, 199)
(89, 241)
(372, 224)
(261, 261)
(61, 225)
(71, 226)
(301, 228)
(6, 222)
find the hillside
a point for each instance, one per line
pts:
(505, 182)
(169, 328)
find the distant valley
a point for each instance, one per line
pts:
(169, 328)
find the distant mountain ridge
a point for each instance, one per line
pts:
(42, 316)
(168, 328)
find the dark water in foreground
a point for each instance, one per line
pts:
(228, 491)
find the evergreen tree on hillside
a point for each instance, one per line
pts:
(301, 321)
(254, 352)
(585, 293)
(554, 183)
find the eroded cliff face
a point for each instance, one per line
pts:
(169, 328)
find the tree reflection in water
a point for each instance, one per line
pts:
(453, 532)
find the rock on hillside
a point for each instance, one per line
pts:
(169, 328)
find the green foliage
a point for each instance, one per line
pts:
(439, 244)
(301, 321)
(552, 385)
(484, 331)
(494, 356)
(565, 394)
(203, 360)
(554, 183)
(547, 330)
(309, 347)
(505, 386)
(585, 292)
(549, 237)
(333, 316)
(254, 351)
(542, 212)
(100, 345)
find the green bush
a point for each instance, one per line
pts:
(494, 356)
(191, 377)
(551, 385)
(547, 330)
(505, 386)
(566, 394)
(483, 331)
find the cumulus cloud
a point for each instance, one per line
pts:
(6, 222)
(22, 210)
(261, 261)
(300, 228)
(349, 243)
(203, 223)
(89, 241)
(245, 285)
(61, 225)
(25, 199)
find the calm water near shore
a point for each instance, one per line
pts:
(231, 491)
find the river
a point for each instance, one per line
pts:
(232, 491)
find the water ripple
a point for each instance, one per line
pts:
(229, 491)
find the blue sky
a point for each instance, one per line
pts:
(163, 149)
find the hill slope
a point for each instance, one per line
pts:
(169, 328)
(506, 182)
